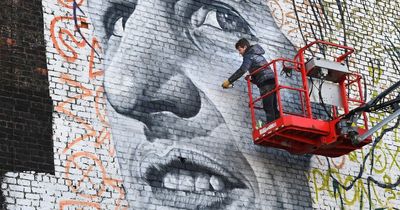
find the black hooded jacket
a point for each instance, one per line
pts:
(252, 60)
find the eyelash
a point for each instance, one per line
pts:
(223, 12)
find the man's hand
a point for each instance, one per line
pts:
(226, 84)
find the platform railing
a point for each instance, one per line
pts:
(298, 65)
(277, 89)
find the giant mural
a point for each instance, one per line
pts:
(140, 119)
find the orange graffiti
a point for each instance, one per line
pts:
(277, 12)
(62, 109)
(85, 172)
(69, 35)
(100, 96)
(104, 135)
(341, 163)
(121, 197)
(64, 36)
(291, 16)
(67, 204)
(64, 3)
(92, 73)
(77, 160)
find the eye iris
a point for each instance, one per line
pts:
(229, 21)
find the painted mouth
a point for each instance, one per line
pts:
(188, 179)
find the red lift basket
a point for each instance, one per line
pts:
(304, 133)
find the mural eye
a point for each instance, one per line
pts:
(222, 17)
(231, 21)
(115, 19)
(119, 28)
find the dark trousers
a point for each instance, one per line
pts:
(269, 103)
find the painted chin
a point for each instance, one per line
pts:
(187, 179)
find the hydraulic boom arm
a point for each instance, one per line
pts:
(377, 104)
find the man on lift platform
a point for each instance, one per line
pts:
(253, 59)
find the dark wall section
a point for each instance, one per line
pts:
(25, 104)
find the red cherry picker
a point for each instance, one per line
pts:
(330, 118)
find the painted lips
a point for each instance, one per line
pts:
(188, 178)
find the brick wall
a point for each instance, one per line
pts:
(25, 105)
(140, 120)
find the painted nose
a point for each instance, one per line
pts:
(138, 92)
(154, 80)
(178, 95)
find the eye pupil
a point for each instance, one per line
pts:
(230, 22)
(221, 17)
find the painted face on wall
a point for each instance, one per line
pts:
(171, 122)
